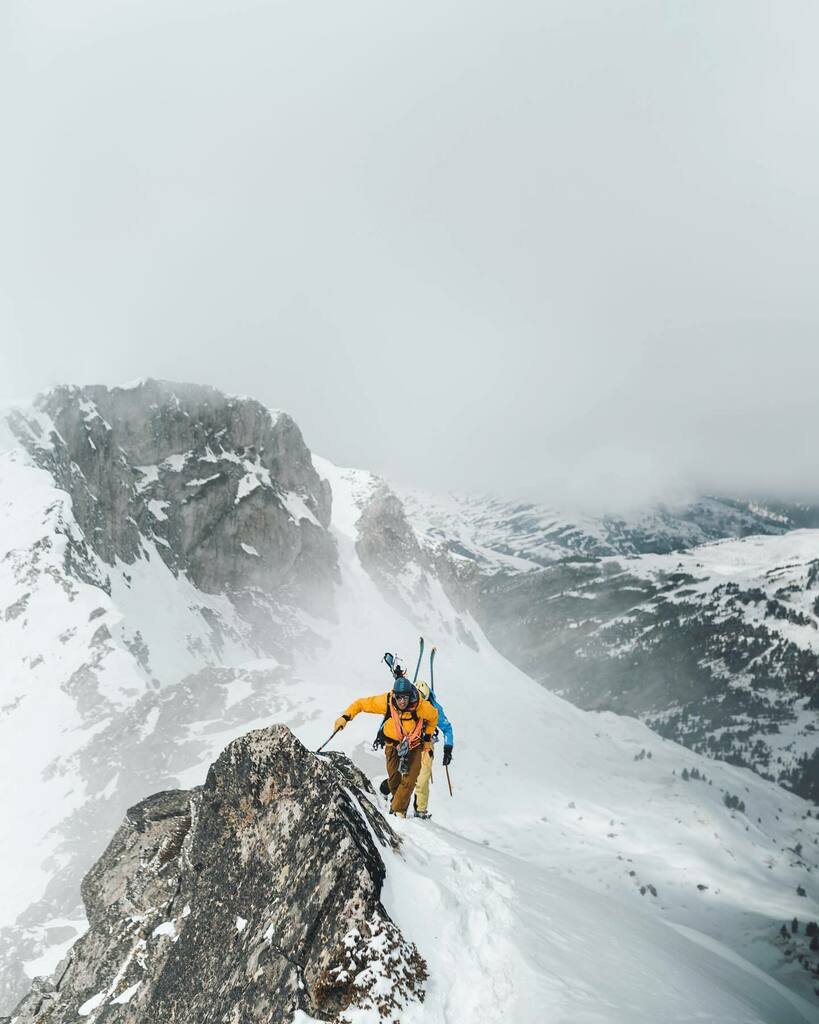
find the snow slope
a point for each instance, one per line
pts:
(524, 891)
(773, 584)
(748, 611)
(779, 566)
(561, 882)
(73, 639)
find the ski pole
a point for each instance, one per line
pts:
(324, 744)
(448, 780)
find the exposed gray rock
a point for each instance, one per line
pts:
(124, 760)
(401, 569)
(243, 900)
(387, 548)
(159, 480)
(225, 487)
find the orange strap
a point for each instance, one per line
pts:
(414, 737)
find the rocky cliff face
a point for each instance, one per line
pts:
(390, 552)
(402, 570)
(152, 540)
(246, 899)
(226, 488)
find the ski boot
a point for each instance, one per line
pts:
(419, 814)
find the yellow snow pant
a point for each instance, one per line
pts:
(424, 779)
(401, 786)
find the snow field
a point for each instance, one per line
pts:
(506, 941)
(523, 892)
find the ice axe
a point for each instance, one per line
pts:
(448, 780)
(324, 744)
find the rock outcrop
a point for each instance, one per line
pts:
(243, 900)
(224, 486)
(155, 540)
(401, 569)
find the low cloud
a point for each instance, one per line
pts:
(559, 250)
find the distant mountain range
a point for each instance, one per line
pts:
(701, 620)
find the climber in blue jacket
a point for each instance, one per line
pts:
(421, 800)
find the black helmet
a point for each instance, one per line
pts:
(404, 688)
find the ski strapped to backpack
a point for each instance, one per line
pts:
(420, 655)
(392, 663)
(409, 740)
(432, 696)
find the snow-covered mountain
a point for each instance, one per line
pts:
(496, 534)
(713, 642)
(585, 868)
(154, 538)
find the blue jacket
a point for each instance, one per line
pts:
(444, 723)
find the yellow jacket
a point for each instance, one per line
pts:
(378, 706)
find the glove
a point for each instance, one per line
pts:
(447, 755)
(341, 722)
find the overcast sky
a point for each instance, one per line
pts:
(565, 249)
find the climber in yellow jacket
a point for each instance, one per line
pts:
(409, 723)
